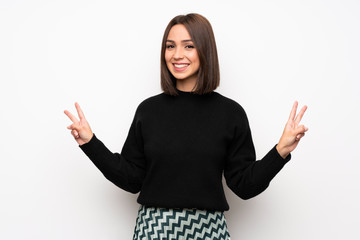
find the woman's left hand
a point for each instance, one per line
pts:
(292, 132)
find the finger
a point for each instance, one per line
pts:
(75, 133)
(300, 115)
(293, 111)
(73, 126)
(72, 117)
(80, 112)
(299, 136)
(301, 129)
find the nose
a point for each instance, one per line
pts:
(178, 53)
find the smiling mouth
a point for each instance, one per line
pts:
(181, 67)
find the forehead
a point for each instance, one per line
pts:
(178, 32)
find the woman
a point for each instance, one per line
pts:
(181, 141)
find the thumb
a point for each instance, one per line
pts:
(300, 129)
(75, 133)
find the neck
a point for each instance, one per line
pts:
(187, 85)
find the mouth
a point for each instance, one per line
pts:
(180, 67)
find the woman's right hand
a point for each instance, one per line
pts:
(80, 130)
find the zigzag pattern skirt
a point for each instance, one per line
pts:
(180, 224)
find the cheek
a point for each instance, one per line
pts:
(195, 60)
(167, 60)
(167, 56)
(194, 57)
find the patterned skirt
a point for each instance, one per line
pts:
(180, 224)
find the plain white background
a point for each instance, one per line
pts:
(106, 56)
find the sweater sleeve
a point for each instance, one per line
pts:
(126, 169)
(245, 176)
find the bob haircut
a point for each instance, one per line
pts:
(202, 35)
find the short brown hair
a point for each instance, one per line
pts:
(202, 35)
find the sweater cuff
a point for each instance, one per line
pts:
(278, 156)
(90, 148)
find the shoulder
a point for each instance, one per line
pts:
(230, 105)
(150, 103)
(234, 113)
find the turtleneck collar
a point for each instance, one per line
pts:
(189, 93)
(180, 92)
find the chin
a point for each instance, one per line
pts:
(179, 77)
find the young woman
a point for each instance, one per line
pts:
(182, 140)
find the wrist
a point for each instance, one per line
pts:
(87, 140)
(91, 136)
(282, 151)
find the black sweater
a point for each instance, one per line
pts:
(177, 149)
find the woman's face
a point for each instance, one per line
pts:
(181, 57)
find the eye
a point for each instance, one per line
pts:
(170, 46)
(189, 46)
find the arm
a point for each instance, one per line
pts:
(247, 177)
(126, 169)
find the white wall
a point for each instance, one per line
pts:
(105, 55)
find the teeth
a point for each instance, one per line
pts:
(181, 65)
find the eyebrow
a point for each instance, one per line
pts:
(187, 40)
